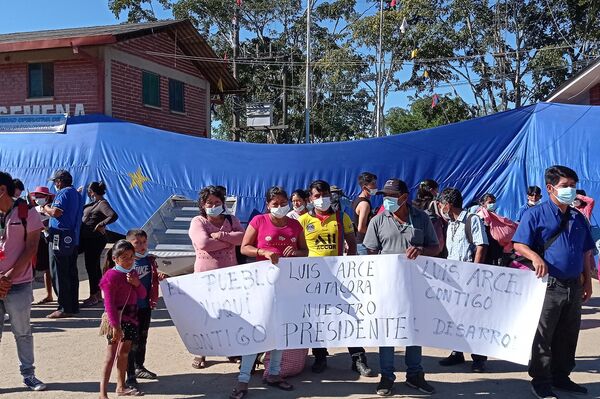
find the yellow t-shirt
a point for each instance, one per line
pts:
(321, 237)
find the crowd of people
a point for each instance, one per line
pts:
(552, 237)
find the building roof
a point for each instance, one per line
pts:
(576, 88)
(188, 38)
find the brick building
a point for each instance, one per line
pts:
(159, 74)
(583, 88)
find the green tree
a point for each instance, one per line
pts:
(421, 115)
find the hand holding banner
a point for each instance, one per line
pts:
(377, 300)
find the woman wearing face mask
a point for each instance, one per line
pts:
(495, 252)
(97, 214)
(300, 204)
(270, 236)
(214, 235)
(40, 197)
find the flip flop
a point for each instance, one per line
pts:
(43, 301)
(57, 314)
(130, 391)
(199, 363)
(281, 384)
(88, 303)
(238, 393)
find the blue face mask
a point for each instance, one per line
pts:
(139, 255)
(121, 269)
(391, 204)
(565, 195)
(491, 207)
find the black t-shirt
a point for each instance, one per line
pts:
(359, 236)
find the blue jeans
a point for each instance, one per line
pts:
(248, 362)
(17, 304)
(361, 249)
(412, 359)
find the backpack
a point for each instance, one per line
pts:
(23, 213)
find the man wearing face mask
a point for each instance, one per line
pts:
(466, 241)
(65, 214)
(362, 208)
(326, 233)
(401, 229)
(18, 243)
(534, 196)
(557, 240)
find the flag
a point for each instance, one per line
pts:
(414, 53)
(392, 3)
(426, 74)
(435, 100)
(220, 85)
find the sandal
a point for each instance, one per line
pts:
(199, 362)
(91, 301)
(130, 391)
(280, 384)
(238, 393)
(44, 301)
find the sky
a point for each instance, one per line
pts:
(33, 15)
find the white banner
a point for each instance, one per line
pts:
(377, 300)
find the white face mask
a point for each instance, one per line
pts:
(214, 211)
(280, 212)
(322, 204)
(299, 208)
(40, 201)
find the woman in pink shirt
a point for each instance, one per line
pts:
(271, 236)
(214, 235)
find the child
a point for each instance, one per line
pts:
(147, 270)
(122, 289)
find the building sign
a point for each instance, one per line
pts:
(43, 109)
(33, 123)
(259, 114)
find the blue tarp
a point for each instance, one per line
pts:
(501, 153)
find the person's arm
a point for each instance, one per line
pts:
(371, 240)
(480, 254)
(202, 240)
(52, 211)
(110, 307)
(589, 205)
(349, 235)
(250, 247)
(110, 215)
(236, 235)
(588, 261)
(302, 246)
(362, 210)
(34, 228)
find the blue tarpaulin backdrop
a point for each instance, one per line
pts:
(501, 153)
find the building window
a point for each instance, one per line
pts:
(176, 96)
(151, 89)
(41, 80)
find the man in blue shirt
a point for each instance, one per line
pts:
(65, 221)
(534, 195)
(566, 260)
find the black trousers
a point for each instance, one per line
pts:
(92, 246)
(137, 355)
(321, 353)
(65, 280)
(473, 356)
(555, 342)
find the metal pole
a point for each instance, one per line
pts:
(236, 45)
(307, 93)
(379, 73)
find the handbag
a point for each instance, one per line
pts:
(105, 323)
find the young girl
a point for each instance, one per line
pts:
(121, 288)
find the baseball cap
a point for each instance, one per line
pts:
(61, 174)
(394, 187)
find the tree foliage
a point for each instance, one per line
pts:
(490, 54)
